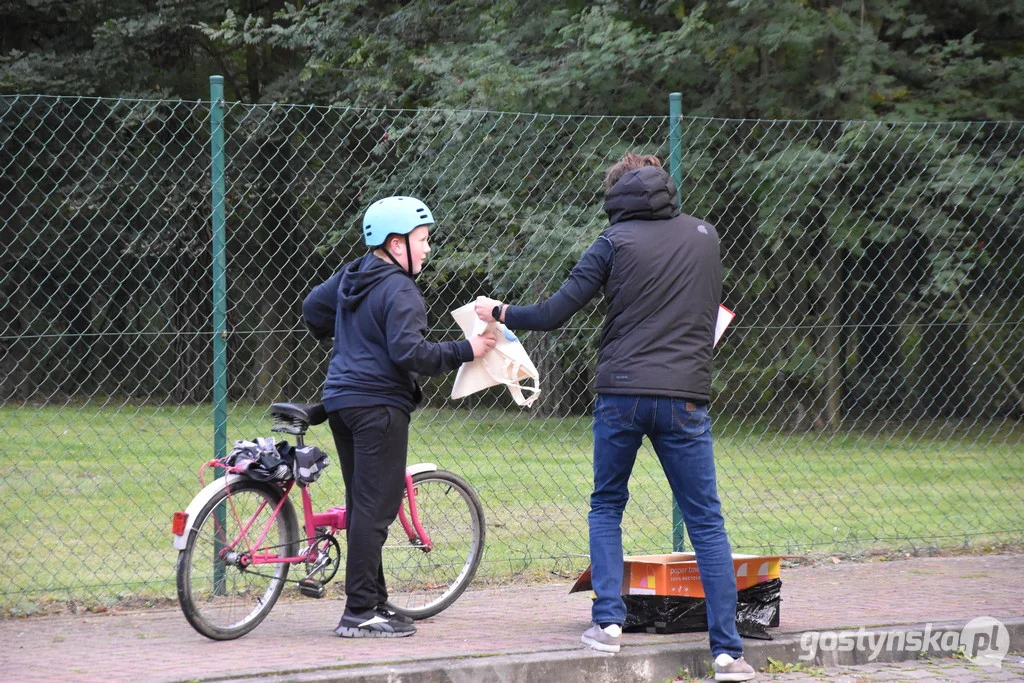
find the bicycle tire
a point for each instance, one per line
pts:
(223, 600)
(422, 584)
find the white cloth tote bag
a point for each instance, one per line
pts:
(507, 363)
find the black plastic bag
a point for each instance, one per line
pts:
(757, 608)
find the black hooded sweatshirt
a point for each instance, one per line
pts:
(661, 274)
(378, 319)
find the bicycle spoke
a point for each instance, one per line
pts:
(222, 594)
(421, 582)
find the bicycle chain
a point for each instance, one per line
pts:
(329, 537)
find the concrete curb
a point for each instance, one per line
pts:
(845, 647)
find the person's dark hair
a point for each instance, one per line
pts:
(630, 161)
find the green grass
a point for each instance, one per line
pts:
(88, 491)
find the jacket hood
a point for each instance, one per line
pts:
(646, 194)
(362, 275)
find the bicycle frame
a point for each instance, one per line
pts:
(335, 518)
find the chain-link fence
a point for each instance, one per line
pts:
(868, 394)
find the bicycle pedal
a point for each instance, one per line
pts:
(311, 588)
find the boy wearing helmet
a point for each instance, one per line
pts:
(377, 316)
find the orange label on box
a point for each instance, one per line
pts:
(677, 574)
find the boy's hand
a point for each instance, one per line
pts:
(484, 308)
(482, 343)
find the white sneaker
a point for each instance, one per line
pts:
(729, 669)
(605, 639)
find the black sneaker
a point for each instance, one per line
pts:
(372, 624)
(391, 614)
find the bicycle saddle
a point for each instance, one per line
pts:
(294, 418)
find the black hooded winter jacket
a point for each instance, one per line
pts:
(378, 319)
(661, 273)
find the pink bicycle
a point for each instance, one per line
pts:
(239, 537)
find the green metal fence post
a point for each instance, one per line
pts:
(220, 342)
(675, 143)
(219, 273)
(675, 169)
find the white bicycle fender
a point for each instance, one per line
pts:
(421, 467)
(199, 502)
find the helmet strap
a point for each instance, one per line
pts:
(408, 256)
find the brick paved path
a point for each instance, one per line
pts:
(937, 670)
(158, 645)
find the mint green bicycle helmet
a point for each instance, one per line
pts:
(394, 216)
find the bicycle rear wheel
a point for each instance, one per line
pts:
(421, 583)
(221, 594)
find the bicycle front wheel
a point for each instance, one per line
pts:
(422, 583)
(223, 594)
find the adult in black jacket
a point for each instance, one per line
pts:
(661, 275)
(376, 314)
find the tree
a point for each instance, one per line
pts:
(792, 200)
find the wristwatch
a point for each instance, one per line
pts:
(496, 312)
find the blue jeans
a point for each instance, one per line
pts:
(682, 440)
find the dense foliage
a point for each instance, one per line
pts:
(858, 252)
(903, 59)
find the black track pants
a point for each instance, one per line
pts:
(372, 444)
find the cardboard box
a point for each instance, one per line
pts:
(663, 593)
(676, 574)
